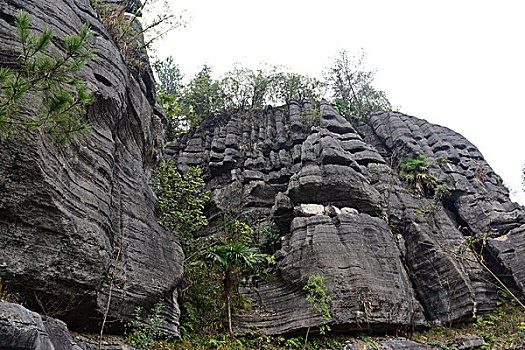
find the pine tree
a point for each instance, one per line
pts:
(49, 77)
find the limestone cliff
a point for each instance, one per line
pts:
(387, 253)
(64, 211)
(387, 262)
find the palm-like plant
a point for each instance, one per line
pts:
(414, 172)
(233, 259)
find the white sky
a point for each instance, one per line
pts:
(460, 64)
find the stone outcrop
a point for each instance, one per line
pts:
(390, 257)
(24, 329)
(66, 212)
(478, 204)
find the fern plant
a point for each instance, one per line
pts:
(50, 77)
(414, 172)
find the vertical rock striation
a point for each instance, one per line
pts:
(387, 254)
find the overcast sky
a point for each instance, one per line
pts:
(460, 64)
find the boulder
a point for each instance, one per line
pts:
(24, 329)
(309, 210)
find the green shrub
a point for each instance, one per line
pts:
(414, 173)
(142, 334)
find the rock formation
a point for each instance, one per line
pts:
(389, 256)
(392, 258)
(64, 211)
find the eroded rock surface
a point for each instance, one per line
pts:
(387, 253)
(478, 204)
(64, 211)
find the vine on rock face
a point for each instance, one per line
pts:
(318, 300)
(49, 76)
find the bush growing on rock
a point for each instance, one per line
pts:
(131, 37)
(318, 300)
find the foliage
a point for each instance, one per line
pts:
(310, 116)
(523, 178)
(246, 89)
(233, 259)
(230, 229)
(212, 274)
(204, 96)
(268, 237)
(367, 340)
(472, 250)
(181, 201)
(318, 300)
(131, 37)
(180, 117)
(504, 328)
(414, 173)
(169, 91)
(254, 341)
(5, 295)
(51, 76)
(201, 298)
(143, 334)
(293, 86)
(186, 106)
(354, 96)
(169, 76)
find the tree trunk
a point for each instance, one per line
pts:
(227, 290)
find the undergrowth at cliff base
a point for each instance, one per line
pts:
(251, 341)
(504, 328)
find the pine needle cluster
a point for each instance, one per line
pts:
(50, 78)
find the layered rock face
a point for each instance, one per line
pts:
(390, 257)
(69, 215)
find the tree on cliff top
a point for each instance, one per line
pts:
(354, 96)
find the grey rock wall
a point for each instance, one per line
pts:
(478, 204)
(65, 210)
(343, 213)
